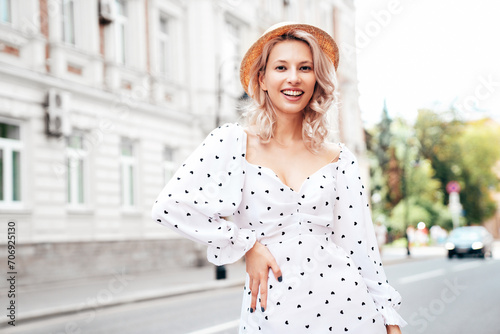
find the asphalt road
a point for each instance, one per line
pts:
(449, 296)
(439, 296)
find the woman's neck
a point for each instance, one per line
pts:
(288, 129)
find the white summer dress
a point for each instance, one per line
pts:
(321, 236)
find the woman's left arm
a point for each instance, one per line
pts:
(354, 232)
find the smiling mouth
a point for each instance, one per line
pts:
(292, 92)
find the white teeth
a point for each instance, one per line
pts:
(292, 92)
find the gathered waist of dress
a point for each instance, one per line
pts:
(293, 230)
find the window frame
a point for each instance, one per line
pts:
(8, 146)
(9, 11)
(76, 191)
(65, 22)
(168, 163)
(166, 58)
(231, 57)
(121, 32)
(233, 33)
(128, 175)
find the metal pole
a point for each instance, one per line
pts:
(220, 271)
(219, 96)
(406, 197)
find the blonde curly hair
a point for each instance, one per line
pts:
(260, 112)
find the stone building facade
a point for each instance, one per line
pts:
(100, 102)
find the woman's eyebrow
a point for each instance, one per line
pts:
(286, 62)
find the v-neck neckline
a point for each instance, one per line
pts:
(270, 170)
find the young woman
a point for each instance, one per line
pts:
(279, 194)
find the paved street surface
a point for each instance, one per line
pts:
(174, 315)
(459, 296)
(440, 296)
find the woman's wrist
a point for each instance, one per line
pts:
(393, 329)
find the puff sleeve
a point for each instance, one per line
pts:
(354, 232)
(206, 189)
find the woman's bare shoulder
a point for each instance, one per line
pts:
(253, 143)
(331, 150)
(251, 130)
(252, 136)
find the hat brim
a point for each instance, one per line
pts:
(325, 41)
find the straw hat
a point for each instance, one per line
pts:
(325, 41)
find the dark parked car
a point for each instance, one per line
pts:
(469, 240)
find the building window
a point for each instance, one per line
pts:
(75, 170)
(273, 7)
(68, 21)
(128, 163)
(10, 163)
(165, 49)
(5, 11)
(230, 58)
(168, 164)
(232, 39)
(291, 10)
(121, 22)
(335, 20)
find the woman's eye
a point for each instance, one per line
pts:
(280, 68)
(306, 68)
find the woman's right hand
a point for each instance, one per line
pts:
(258, 261)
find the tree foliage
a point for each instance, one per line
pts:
(411, 166)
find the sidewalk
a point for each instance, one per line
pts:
(393, 255)
(50, 299)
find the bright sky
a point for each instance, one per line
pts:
(428, 53)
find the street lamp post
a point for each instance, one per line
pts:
(406, 187)
(406, 199)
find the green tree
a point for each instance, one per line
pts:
(415, 214)
(463, 152)
(480, 147)
(404, 188)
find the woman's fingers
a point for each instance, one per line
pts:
(263, 293)
(254, 288)
(259, 259)
(263, 286)
(276, 270)
(250, 284)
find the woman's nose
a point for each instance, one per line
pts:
(293, 76)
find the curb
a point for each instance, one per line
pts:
(409, 259)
